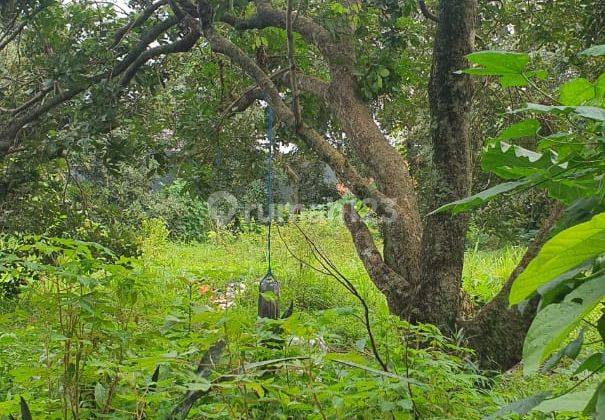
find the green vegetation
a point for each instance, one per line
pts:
(99, 326)
(291, 209)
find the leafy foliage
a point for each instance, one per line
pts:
(124, 336)
(567, 273)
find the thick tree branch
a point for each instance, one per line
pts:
(16, 31)
(426, 12)
(8, 135)
(266, 16)
(138, 21)
(394, 286)
(362, 187)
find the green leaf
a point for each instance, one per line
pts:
(499, 62)
(551, 109)
(594, 51)
(601, 326)
(566, 250)
(571, 351)
(100, 395)
(384, 72)
(525, 128)
(591, 364)
(553, 324)
(596, 405)
(522, 406)
(576, 92)
(571, 402)
(512, 80)
(556, 289)
(468, 203)
(592, 112)
(507, 65)
(600, 86)
(513, 162)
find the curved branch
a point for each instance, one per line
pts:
(35, 99)
(305, 83)
(140, 20)
(362, 187)
(8, 135)
(16, 31)
(396, 288)
(266, 16)
(182, 45)
(147, 38)
(426, 12)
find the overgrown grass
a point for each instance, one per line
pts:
(485, 272)
(173, 320)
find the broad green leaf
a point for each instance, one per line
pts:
(521, 407)
(592, 112)
(596, 405)
(565, 251)
(600, 86)
(591, 364)
(572, 402)
(100, 395)
(553, 324)
(571, 351)
(576, 92)
(595, 50)
(499, 62)
(513, 162)
(525, 128)
(468, 203)
(507, 65)
(513, 80)
(551, 290)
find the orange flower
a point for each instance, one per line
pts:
(203, 289)
(341, 189)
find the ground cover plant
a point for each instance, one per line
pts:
(97, 335)
(302, 209)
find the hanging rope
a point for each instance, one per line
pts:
(269, 307)
(269, 185)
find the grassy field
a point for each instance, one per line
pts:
(69, 357)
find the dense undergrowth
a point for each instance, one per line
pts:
(95, 335)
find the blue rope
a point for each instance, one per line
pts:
(269, 184)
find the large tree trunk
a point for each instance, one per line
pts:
(450, 96)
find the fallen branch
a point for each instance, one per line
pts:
(204, 368)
